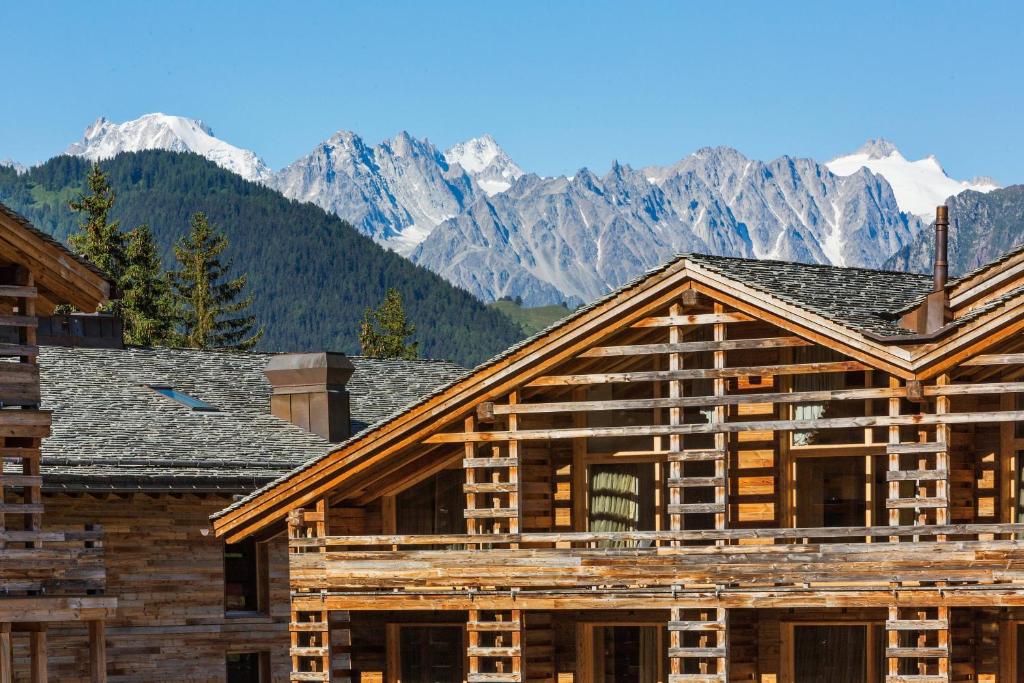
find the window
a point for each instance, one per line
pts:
(434, 506)
(184, 399)
(431, 654)
(247, 667)
(627, 654)
(622, 498)
(838, 653)
(245, 577)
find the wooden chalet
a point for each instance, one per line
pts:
(48, 576)
(728, 470)
(149, 443)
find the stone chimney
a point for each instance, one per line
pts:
(309, 391)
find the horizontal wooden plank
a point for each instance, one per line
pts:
(491, 626)
(489, 463)
(701, 401)
(694, 347)
(696, 652)
(727, 427)
(307, 626)
(481, 651)
(13, 350)
(696, 626)
(695, 455)
(916, 624)
(697, 678)
(18, 292)
(20, 480)
(18, 321)
(491, 487)
(695, 482)
(917, 652)
(917, 475)
(694, 319)
(995, 359)
(509, 677)
(696, 373)
(695, 508)
(915, 503)
(491, 513)
(579, 537)
(924, 447)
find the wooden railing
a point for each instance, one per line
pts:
(52, 563)
(971, 553)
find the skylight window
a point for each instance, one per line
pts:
(182, 398)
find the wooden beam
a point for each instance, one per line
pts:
(698, 373)
(37, 656)
(694, 347)
(97, 652)
(731, 427)
(995, 359)
(6, 654)
(693, 319)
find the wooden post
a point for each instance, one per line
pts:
(6, 654)
(37, 655)
(97, 652)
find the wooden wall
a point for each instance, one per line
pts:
(168, 577)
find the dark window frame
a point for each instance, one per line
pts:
(260, 579)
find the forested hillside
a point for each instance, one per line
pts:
(311, 273)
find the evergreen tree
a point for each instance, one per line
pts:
(99, 240)
(146, 304)
(206, 297)
(385, 331)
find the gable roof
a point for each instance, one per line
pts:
(853, 309)
(112, 432)
(61, 276)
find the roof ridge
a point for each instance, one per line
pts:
(801, 264)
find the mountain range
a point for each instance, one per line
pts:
(472, 215)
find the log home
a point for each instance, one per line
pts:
(149, 443)
(727, 470)
(48, 576)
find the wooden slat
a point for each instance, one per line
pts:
(917, 475)
(18, 321)
(489, 463)
(696, 508)
(491, 513)
(995, 359)
(693, 347)
(694, 319)
(18, 292)
(697, 373)
(696, 482)
(732, 427)
(915, 503)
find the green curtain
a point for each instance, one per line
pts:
(621, 499)
(814, 382)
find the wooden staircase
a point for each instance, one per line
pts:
(495, 646)
(917, 645)
(698, 646)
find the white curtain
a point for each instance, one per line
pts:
(822, 381)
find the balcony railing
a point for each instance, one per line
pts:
(52, 563)
(960, 553)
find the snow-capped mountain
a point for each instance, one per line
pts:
(105, 139)
(919, 185)
(10, 163)
(486, 162)
(557, 239)
(395, 192)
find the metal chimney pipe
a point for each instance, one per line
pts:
(941, 273)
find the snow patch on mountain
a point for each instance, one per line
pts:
(919, 186)
(486, 162)
(105, 139)
(11, 163)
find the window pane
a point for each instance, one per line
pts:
(626, 654)
(830, 492)
(241, 577)
(622, 497)
(830, 654)
(243, 667)
(431, 654)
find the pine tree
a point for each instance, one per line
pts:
(146, 304)
(385, 331)
(99, 240)
(206, 297)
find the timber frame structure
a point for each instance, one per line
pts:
(807, 462)
(46, 576)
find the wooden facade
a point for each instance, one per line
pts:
(47, 576)
(694, 480)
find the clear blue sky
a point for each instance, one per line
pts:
(559, 84)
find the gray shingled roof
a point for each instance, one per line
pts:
(112, 432)
(861, 299)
